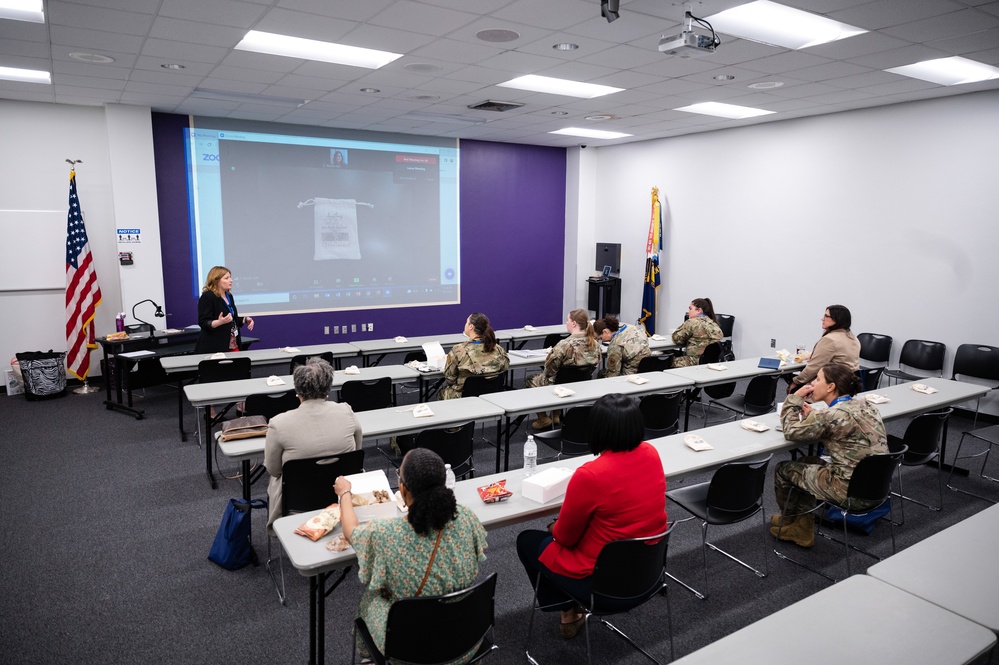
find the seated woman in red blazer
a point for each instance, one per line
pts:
(620, 494)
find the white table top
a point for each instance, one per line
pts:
(735, 370)
(372, 346)
(190, 362)
(859, 621)
(224, 392)
(528, 400)
(905, 401)
(522, 335)
(955, 569)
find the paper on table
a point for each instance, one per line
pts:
(718, 367)
(352, 370)
(435, 354)
(137, 354)
(530, 328)
(217, 356)
(695, 442)
(877, 399)
(289, 349)
(661, 338)
(401, 340)
(923, 388)
(562, 391)
(273, 380)
(637, 380)
(422, 411)
(754, 426)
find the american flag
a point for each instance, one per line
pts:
(83, 295)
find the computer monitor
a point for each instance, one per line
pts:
(608, 254)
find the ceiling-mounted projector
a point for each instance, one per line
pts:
(688, 44)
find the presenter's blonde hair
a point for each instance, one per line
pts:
(215, 275)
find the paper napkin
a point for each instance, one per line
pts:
(877, 399)
(422, 411)
(275, 381)
(562, 391)
(754, 426)
(695, 442)
(923, 388)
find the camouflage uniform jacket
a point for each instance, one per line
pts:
(572, 350)
(849, 432)
(695, 334)
(627, 348)
(469, 358)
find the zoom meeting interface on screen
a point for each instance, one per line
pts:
(309, 223)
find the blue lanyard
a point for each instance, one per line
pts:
(228, 304)
(844, 398)
(619, 331)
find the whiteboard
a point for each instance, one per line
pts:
(33, 254)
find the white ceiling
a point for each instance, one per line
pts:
(445, 67)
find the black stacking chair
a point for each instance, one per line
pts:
(552, 339)
(918, 354)
(453, 444)
(268, 405)
(302, 358)
(977, 361)
(760, 397)
(367, 395)
(572, 438)
(923, 443)
(875, 349)
(661, 414)
(659, 363)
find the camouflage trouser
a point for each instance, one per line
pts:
(536, 381)
(810, 475)
(686, 361)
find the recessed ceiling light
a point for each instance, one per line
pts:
(723, 77)
(771, 23)
(954, 70)
(602, 116)
(590, 133)
(765, 85)
(555, 86)
(370, 90)
(559, 113)
(730, 111)
(93, 58)
(247, 97)
(173, 66)
(22, 10)
(497, 36)
(565, 46)
(425, 98)
(25, 75)
(421, 67)
(312, 49)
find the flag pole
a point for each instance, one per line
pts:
(83, 295)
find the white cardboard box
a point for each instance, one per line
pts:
(546, 485)
(363, 485)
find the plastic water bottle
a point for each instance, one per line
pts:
(530, 456)
(448, 477)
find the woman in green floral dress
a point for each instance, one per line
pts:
(393, 555)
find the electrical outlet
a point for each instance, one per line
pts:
(326, 330)
(353, 327)
(371, 327)
(364, 327)
(773, 343)
(336, 330)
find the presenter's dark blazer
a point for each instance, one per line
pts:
(215, 340)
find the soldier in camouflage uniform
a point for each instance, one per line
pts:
(579, 348)
(628, 345)
(849, 430)
(700, 329)
(479, 355)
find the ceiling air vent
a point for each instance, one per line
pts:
(493, 105)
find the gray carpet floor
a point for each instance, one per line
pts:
(106, 522)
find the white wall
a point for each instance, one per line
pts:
(890, 211)
(115, 181)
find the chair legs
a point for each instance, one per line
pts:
(981, 474)
(282, 596)
(902, 498)
(705, 545)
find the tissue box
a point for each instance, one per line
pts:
(364, 485)
(546, 485)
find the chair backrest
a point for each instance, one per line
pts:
(761, 392)
(726, 322)
(269, 406)
(870, 377)
(977, 361)
(366, 395)
(712, 352)
(438, 629)
(924, 435)
(552, 339)
(655, 363)
(923, 354)
(302, 358)
(875, 347)
(453, 444)
(629, 572)
(223, 369)
(738, 487)
(477, 385)
(576, 425)
(574, 373)
(871, 479)
(661, 413)
(307, 484)
(138, 328)
(418, 356)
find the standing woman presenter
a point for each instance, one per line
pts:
(217, 315)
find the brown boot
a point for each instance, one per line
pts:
(777, 520)
(801, 532)
(557, 418)
(543, 422)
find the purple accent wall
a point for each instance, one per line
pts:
(512, 240)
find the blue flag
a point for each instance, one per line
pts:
(652, 248)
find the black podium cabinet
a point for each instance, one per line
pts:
(604, 295)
